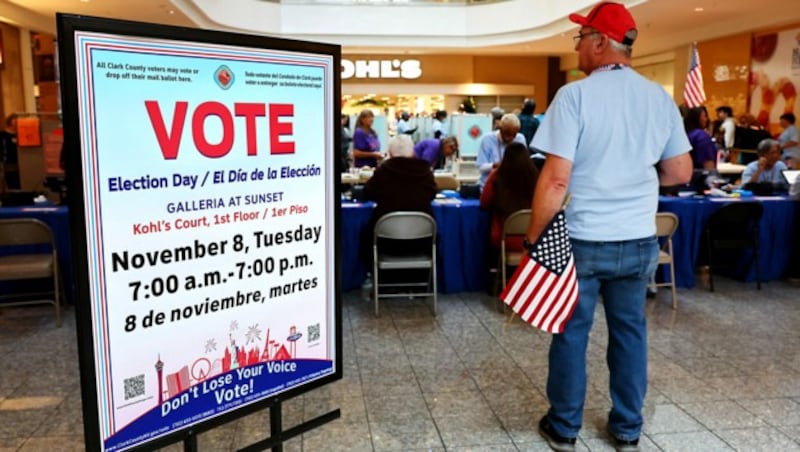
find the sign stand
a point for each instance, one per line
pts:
(205, 227)
(278, 436)
(190, 443)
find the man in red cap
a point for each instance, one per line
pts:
(619, 135)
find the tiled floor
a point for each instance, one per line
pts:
(724, 375)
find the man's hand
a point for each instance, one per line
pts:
(762, 163)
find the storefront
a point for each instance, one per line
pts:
(421, 84)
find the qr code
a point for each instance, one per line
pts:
(313, 332)
(134, 387)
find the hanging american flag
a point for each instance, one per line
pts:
(693, 93)
(544, 289)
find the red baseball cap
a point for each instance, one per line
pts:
(609, 18)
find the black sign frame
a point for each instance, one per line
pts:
(68, 25)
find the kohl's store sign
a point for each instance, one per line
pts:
(407, 69)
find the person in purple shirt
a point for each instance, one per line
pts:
(704, 152)
(366, 146)
(436, 150)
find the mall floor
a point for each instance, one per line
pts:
(724, 375)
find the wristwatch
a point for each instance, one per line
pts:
(526, 244)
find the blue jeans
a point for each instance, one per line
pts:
(619, 271)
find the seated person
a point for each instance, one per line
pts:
(509, 188)
(768, 167)
(435, 151)
(493, 145)
(401, 183)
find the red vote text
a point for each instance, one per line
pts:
(169, 138)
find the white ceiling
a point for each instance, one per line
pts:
(663, 24)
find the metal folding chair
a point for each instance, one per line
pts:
(21, 264)
(404, 226)
(666, 225)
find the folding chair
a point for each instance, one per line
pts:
(24, 264)
(734, 226)
(666, 225)
(404, 226)
(516, 224)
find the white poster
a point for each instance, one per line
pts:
(209, 226)
(469, 129)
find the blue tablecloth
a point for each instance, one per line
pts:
(58, 219)
(776, 236)
(462, 239)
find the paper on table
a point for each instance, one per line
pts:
(447, 201)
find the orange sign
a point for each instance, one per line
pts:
(28, 132)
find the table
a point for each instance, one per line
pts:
(776, 236)
(462, 240)
(58, 219)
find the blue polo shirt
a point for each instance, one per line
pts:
(614, 126)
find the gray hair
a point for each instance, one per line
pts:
(401, 146)
(621, 48)
(765, 145)
(509, 120)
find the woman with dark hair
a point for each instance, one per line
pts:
(509, 188)
(704, 152)
(366, 145)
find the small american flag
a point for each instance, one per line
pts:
(693, 93)
(544, 289)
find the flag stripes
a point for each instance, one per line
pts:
(693, 93)
(544, 289)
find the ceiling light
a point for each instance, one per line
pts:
(84, 1)
(172, 11)
(699, 9)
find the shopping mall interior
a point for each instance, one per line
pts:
(724, 359)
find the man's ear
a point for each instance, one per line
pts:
(599, 45)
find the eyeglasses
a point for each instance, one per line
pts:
(579, 38)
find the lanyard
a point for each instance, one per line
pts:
(610, 67)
